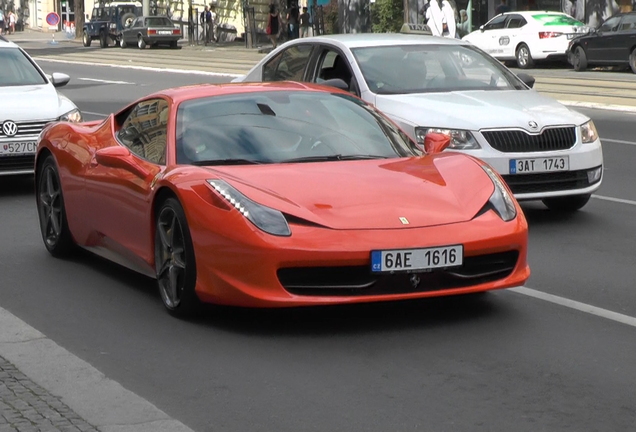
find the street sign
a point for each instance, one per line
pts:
(53, 19)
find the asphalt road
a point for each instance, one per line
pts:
(502, 362)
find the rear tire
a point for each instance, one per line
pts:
(86, 39)
(141, 44)
(567, 203)
(175, 262)
(51, 210)
(103, 40)
(579, 61)
(632, 60)
(524, 58)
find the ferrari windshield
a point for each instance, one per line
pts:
(432, 68)
(17, 69)
(278, 127)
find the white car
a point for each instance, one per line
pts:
(424, 83)
(28, 102)
(527, 36)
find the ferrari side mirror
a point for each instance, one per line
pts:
(436, 142)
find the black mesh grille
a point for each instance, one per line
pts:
(17, 163)
(551, 139)
(547, 182)
(360, 281)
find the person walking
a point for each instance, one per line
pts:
(1, 21)
(274, 25)
(12, 20)
(292, 22)
(304, 23)
(206, 20)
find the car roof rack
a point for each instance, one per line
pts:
(415, 28)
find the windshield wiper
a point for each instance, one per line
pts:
(225, 162)
(337, 157)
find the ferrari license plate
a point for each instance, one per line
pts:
(539, 165)
(409, 260)
(18, 148)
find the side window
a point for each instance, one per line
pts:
(293, 63)
(332, 65)
(516, 21)
(496, 23)
(628, 23)
(145, 130)
(269, 69)
(609, 25)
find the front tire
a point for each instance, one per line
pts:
(632, 60)
(174, 261)
(51, 211)
(567, 203)
(141, 43)
(579, 61)
(122, 42)
(86, 39)
(524, 58)
(103, 40)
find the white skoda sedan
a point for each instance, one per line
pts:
(28, 101)
(527, 36)
(544, 150)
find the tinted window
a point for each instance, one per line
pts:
(432, 68)
(628, 23)
(334, 65)
(158, 21)
(275, 127)
(552, 19)
(496, 23)
(17, 70)
(610, 24)
(516, 21)
(145, 129)
(293, 63)
(269, 69)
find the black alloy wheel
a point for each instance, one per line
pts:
(141, 43)
(579, 61)
(632, 60)
(51, 211)
(174, 261)
(567, 203)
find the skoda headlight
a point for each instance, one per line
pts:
(266, 219)
(588, 132)
(501, 200)
(460, 139)
(73, 116)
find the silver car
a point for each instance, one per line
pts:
(28, 102)
(544, 150)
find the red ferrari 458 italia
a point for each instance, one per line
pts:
(279, 194)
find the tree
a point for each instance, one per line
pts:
(79, 17)
(387, 16)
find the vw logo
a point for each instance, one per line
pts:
(9, 128)
(533, 124)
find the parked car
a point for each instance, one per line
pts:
(28, 102)
(150, 31)
(281, 194)
(527, 36)
(108, 21)
(612, 44)
(544, 150)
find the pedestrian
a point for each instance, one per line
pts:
(304, 23)
(274, 25)
(1, 21)
(213, 23)
(292, 22)
(464, 25)
(502, 8)
(206, 20)
(12, 20)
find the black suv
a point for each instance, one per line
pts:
(109, 20)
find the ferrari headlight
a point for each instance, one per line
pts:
(460, 139)
(266, 219)
(588, 132)
(73, 116)
(501, 200)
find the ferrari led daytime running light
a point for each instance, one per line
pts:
(501, 200)
(265, 218)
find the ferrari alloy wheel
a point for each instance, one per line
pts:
(50, 202)
(141, 43)
(86, 39)
(579, 61)
(632, 60)
(524, 58)
(567, 203)
(174, 260)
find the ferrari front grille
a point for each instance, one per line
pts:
(359, 281)
(517, 140)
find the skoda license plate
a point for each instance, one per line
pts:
(539, 165)
(410, 260)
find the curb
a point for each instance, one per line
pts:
(597, 105)
(98, 400)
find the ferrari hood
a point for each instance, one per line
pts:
(37, 102)
(369, 194)
(475, 110)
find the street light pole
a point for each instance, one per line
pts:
(146, 7)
